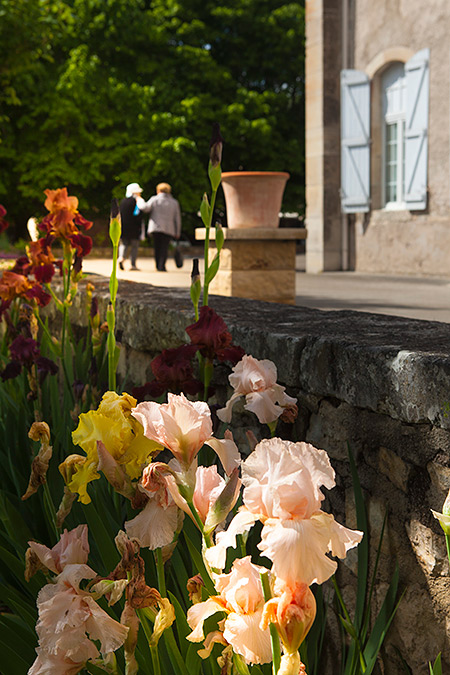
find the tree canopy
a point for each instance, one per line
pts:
(95, 94)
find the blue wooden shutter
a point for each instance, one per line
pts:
(355, 141)
(416, 130)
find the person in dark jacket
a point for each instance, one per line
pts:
(132, 225)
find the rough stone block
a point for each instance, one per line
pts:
(429, 549)
(440, 476)
(394, 468)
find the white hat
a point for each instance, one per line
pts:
(132, 188)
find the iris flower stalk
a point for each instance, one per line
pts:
(274, 639)
(115, 231)
(207, 209)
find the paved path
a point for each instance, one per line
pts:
(419, 298)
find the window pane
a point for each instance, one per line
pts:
(391, 162)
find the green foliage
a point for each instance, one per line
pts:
(436, 668)
(96, 94)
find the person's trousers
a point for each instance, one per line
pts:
(130, 246)
(161, 243)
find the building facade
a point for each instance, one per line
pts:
(378, 136)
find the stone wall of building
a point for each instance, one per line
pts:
(378, 383)
(368, 36)
(407, 242)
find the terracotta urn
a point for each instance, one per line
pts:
(253, 198)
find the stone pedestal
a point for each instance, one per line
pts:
(256, 263)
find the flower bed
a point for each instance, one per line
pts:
(133, 585)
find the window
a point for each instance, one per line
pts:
(401, 145)
(394, 119)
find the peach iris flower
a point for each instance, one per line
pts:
(292, 611)
(156, 524)
(241, 598)
(72, 548)
(257, 381)
(282, 482)
(183, 426)
(213, 496)
(67, 616)
(56, 664)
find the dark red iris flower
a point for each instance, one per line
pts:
(4, 306)
(45, 367)
(3, 223)
(47, 240)
(77, 265)
(82, 243)
(39, 262)
(25, 350)
(80, 221)
(94, 307)
(212, 338)
(42, 260)
(21, 266)
(44, 273)
(37, 293)
(12, 370)
(173, 372)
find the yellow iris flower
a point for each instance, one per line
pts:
(122, 436)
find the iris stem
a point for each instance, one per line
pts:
(153, 648)
(155, 660)
(208, 230)
(274, 639)
(168, 635)
(197, 520)
(160, 572)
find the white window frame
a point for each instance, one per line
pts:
(399, 119)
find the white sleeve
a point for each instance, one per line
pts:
(142, 205)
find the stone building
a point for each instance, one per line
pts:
(377, 136)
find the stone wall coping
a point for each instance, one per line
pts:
(391, 365)
(256, 233)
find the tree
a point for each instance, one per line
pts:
(105, 92)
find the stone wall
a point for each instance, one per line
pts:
(379, 383)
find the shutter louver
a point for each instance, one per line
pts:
(416, 131)
(355, 142)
